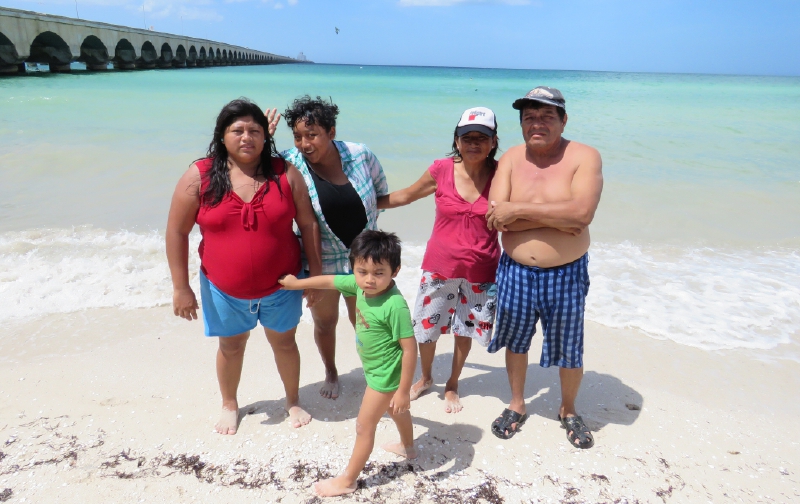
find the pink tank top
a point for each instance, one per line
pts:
(460, 246)
(247, 247)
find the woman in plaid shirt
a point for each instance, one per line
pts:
(344, 180)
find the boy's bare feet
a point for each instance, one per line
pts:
(334, 486)
(330, 389)
(228, 421)
(298, 417)
(418, 388)
(409, 452)
(452, 403)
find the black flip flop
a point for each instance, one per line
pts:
(578, 434)
(501, 427)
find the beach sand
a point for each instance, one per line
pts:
(118, 406)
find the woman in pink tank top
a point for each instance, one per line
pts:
(245, 199)
(457, 292)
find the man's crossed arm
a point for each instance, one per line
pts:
(572, 215)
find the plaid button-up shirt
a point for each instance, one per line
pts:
(365, 173)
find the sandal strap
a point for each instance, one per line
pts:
(578, 428)
(511, 415)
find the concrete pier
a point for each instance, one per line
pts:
(30, 37)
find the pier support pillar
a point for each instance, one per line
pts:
(59, 67)
(12, 69)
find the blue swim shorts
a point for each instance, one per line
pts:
(225, 315)
(556, 295)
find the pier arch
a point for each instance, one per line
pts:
(201, 57)
(180, 57)
(148, 56)
(124, 55)
(94, 53)
(192, 59)
(165, 60)
(8, 54)
(51, 49)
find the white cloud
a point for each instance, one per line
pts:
(278, 5)
(154, 9)
(186, 9)
(447, 3)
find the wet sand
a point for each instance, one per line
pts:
(119, 406)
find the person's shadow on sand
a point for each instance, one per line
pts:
(450, 449)
(603, 399)
(446, 449)
(343, 408)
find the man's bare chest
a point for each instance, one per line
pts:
(539, 185)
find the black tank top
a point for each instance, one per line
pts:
(342, 208)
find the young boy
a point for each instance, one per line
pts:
(385, 343)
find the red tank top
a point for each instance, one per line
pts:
(461, 246)
(247, 247)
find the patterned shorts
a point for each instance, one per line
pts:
(453, 303)
(556, 295)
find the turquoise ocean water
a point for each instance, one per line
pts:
(697, 238)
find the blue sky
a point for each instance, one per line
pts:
(700, 36)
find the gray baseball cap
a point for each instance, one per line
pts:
(542, 94)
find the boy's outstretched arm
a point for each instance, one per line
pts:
(401, 402)
(291, 282)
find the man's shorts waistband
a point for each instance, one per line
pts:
(582, 259)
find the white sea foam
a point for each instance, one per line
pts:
(58, 271)
(704, 298)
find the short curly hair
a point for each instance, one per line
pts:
(312, 111)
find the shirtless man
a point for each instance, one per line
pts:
(543, 198)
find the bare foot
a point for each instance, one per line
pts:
(228, 421)
(418, 388)
(330, 389)
(409, 452)
(452, 403)
(298, 417)
(334, 486)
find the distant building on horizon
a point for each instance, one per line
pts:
(301, 57)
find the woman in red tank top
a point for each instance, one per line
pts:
(245, 199)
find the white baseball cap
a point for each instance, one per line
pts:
(480, 119)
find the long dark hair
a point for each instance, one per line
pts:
(218, 177)
(490, 162)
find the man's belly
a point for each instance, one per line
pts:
(544, 247)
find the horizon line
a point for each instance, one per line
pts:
(562, 70)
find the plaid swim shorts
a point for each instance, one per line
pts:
(556, 295)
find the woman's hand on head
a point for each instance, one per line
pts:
(184, 303)
(273, 118)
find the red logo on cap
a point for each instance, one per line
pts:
(472, 117)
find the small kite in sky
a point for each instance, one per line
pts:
(337, 30)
